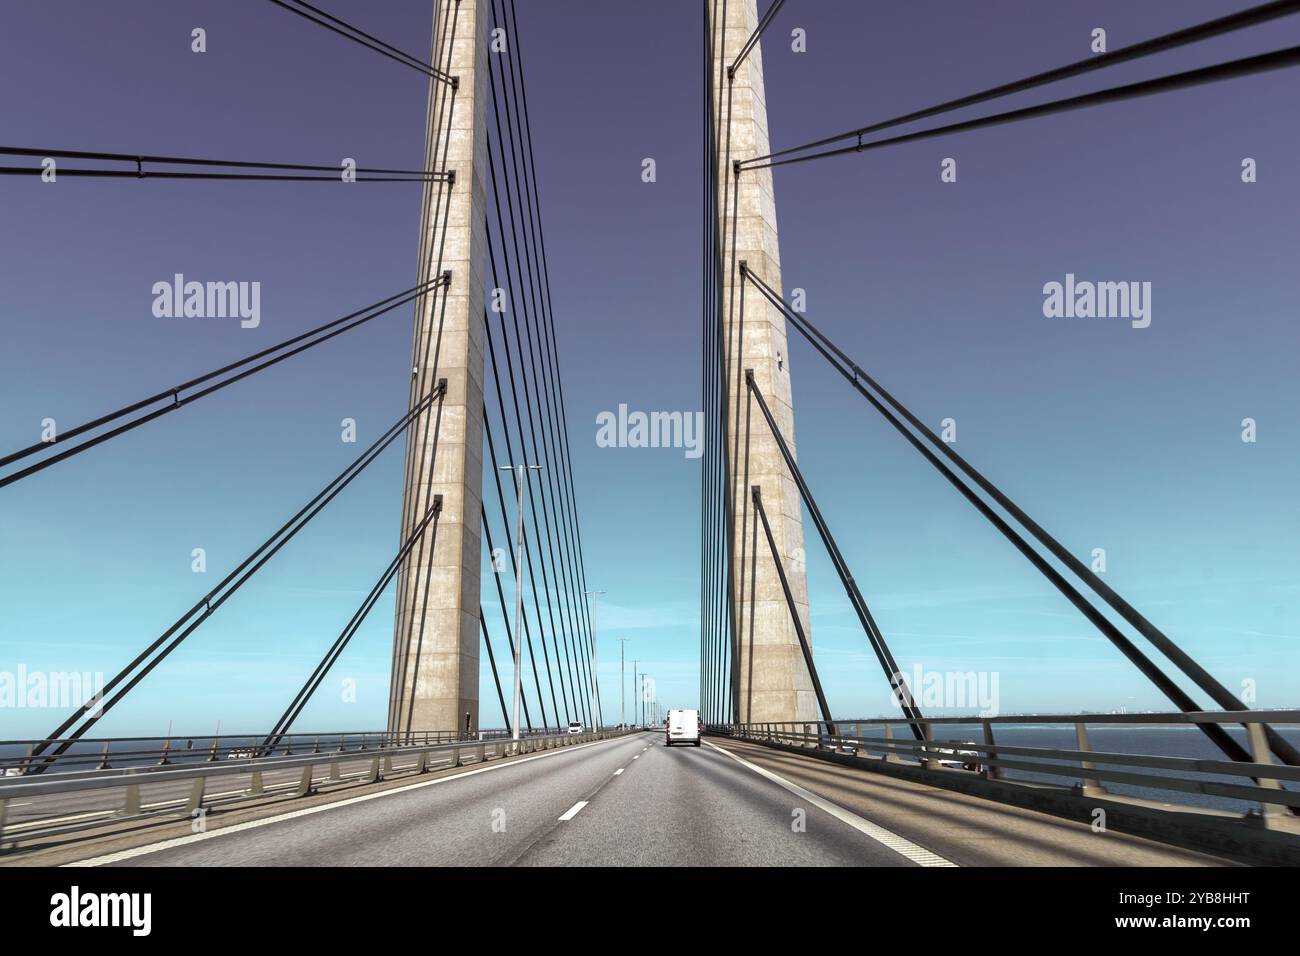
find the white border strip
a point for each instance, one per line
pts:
(905, 848)
(133, 852)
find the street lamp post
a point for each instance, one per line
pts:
(519, 585)
(636, 695)
(595, 690)
(622, 680)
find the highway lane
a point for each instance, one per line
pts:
(631, 801)
(695, 806)
(624, 801)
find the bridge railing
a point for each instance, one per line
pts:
(19, 757)
(77, 798)
(1261, 783)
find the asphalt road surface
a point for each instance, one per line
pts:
(631, 801)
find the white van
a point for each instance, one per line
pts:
(683, 727)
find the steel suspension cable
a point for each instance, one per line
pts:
(890, 666)
(424, 482)
(571, 512)
(529, 456)
(1234, 69)
(300, 343)
(531, 395)
(501, 594)
(205, 607)
(1236, 21)
(1175, 693)
(496, 678)
(530, 214)
(496, 475)
(763, 22)
(360, 37)
(794, 610)
(286, 720)
(425, 342)
(291, 172)
(728, 659)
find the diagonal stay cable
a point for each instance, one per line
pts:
(794, 610)
(501, 596)
(496, 678)
(530, 455)
(428, 578)
(206, 606)
(266, 170)
(856, 376)
(426, 336)
(281, 726)
(576, 562)
(1235, 21)
(890, 666)
(299, 343)
(522, 197)
(753, 37)
(1233, 69)
(527, 636)
(359, 36)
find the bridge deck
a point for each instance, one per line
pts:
(631, 801)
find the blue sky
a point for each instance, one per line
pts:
(1114, 437)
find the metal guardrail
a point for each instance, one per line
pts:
(1259, 782)
(102, 753)
(197, 775)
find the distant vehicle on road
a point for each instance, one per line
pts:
(951, 759)
(683, 727)
(575, 727)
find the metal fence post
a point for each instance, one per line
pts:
(931, 753)
(1086, 786)
(1269, 812)
(890, 755)
(990, 771)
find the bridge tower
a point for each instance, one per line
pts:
(435, 672)
(769, 679)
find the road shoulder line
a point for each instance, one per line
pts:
(887, 838)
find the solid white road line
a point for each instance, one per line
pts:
(278, 818)
(573, 811)
(905, 848)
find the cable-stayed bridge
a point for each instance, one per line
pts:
(489, 476)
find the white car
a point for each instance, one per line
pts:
(956, 759)
(683, 727)
(575, 727)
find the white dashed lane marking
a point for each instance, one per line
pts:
(573, 811)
